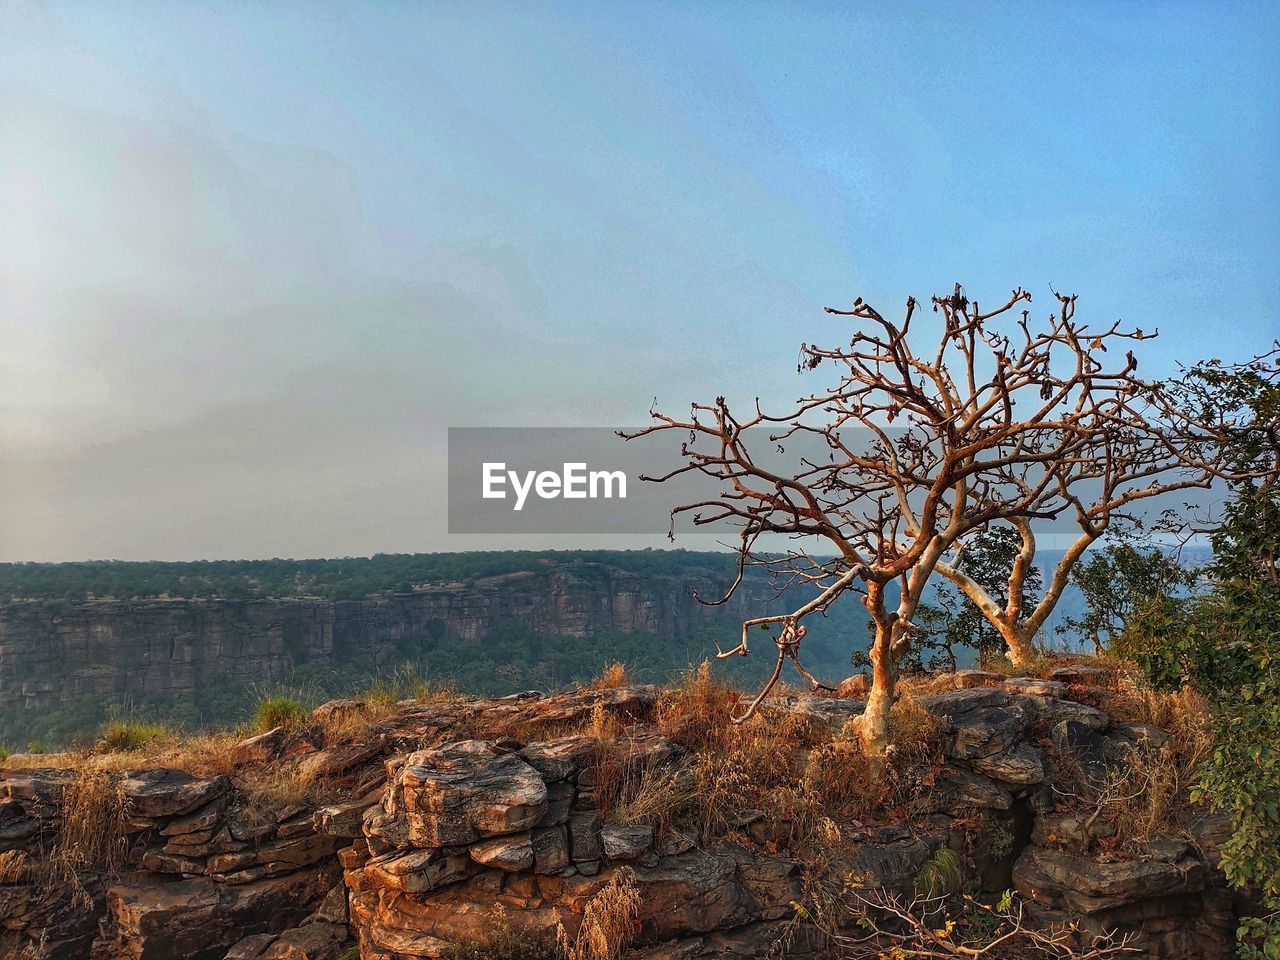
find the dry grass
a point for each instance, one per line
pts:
(697, 713)
(612, 677)
(14, 946)
(844, 782)
(93, 823)
(661, 796)
(608, 921)
(1143, 791)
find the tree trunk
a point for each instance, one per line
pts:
(1020, 653)
(873, 725)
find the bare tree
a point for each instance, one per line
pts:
(888, 924)
(918, 450)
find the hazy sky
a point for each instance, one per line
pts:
(256, 257)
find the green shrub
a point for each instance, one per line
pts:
(278, 711)
(120, 735)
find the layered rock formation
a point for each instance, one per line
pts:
(445, 820)
(57, 654)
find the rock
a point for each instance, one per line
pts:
(960, 790)
(1059, 880)
(676, 842)
(560, 759)
(512, 853)
(417, 871)
(334, 761)
(1073, 735)
(198, 919)
(584, 837)
(343, 819)
(250, 948)
(1070, 830)
(892, 865)
(1078, 674)
(1141, 734)
(951, 703)
(968, 679)
(297, 852)
(201, 820)
(45, 786)
(550, 849)
(1022, 766)
(855, 687)
(1029, 686)
(626, 843)
(263, 748)
(463, 792)
(831, 713)
(332, 909)
(1052, 710)
(311, 941)
(986, 731)
(168, 793)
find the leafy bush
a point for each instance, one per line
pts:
(122, 735)
(278, 711)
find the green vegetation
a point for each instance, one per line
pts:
(347, 578)
(278, 711)
(123, 732)
(1225, 642)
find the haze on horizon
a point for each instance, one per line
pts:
(256, 258)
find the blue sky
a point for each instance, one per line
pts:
(255, 258)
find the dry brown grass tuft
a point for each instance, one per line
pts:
(15, 946)
(613, 676)
(697, 713)
(272, 789)
(608, 921)
(93, 823)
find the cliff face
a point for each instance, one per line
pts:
(441, 823)
(56, 654)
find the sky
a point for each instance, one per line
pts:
(255, 259)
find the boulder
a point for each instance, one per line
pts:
(550, 849)
(512, 853)
(1061, 880)
(1053, 710)
(263, 748)
(199, 919)
(951, 703)
(168, 793)
(417, 871)
(855, 687)
(463, 792)
(986, 731)
(1140, 734)
(1021, 766)
(626, 842)
(1078, 674)
(1029, 686)
(560, 759)
(961, 790)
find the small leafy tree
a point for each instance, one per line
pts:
(1119, 579)
(1226, 641)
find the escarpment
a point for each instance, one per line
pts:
(404, 830)
(60, 655)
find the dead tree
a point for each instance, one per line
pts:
(918, 450)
